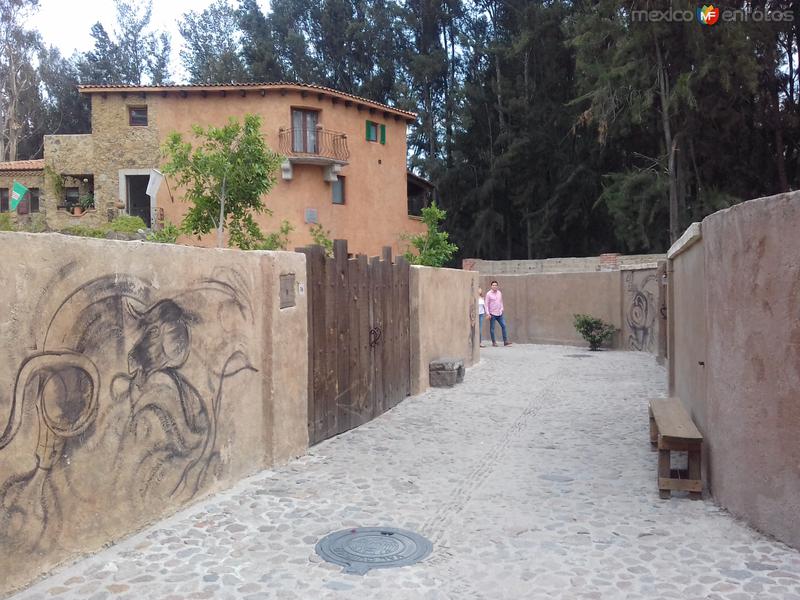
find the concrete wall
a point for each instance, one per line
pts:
(136, 378)
(742, 278)
(443, 319)
(641, 310)
(560, 265)
(539, 308)
(375, 178)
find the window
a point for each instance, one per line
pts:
(372, 132)
(304, 131)
(3, 200)
(338, 190)
(34, 199)
(137, 116)
(71, 195)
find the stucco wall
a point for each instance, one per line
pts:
(443, 319)
(556, 265)
(753, 368)
(375, 178)
(539, 308)
(641, 311)
(136, 378)
(688, 342)
(750, 257)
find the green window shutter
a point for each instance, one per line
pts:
(368, 130)
(383, 134)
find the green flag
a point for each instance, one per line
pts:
(17, 193)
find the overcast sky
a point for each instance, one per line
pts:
(66, 24)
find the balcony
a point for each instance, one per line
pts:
(315, 146)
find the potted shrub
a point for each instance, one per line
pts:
(593, 330)
(86, 202)
(77, 210)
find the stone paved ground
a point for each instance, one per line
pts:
(534, 479)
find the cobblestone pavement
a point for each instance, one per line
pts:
(534, 479)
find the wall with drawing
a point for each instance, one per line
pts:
(134, 379)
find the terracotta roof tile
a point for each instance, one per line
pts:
(22, 165)
(266, 85)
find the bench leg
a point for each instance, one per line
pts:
(664, 471)
(653, 432)
(695, 462)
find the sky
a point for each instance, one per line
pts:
(67, 24)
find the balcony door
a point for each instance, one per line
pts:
(304, 131)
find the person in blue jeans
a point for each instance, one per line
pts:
(481, 313)
(494, 306)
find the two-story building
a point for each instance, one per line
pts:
(344, 166)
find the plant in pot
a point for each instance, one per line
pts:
(86, 202)
(593, 330)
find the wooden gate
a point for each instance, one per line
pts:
(359, 340)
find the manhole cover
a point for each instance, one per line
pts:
(359, 550)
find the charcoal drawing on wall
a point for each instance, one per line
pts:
(641, 296)
(122, 399)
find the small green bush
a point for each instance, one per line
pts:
(85, 231)
(322, 238)
(277, 240)
(5, 222)
(168, 234)
(127, 224)
(593, 330)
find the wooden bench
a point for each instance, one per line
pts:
(671, 428)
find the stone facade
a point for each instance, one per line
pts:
(32, 179)
(99, 157)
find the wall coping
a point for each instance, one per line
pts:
(690, 237)
(639, 267)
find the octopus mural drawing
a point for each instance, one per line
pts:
(124, 398)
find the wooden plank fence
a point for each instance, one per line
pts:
(359, 338)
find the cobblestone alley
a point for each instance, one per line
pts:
(533, 479)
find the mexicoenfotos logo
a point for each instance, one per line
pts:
(708, 15)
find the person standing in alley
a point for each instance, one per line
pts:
(494, 306)
(481, 313)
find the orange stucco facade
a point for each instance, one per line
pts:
(375, 210)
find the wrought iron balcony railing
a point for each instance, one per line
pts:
(313, 143)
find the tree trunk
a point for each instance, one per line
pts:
(670, 144)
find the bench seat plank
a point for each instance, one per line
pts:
(674, 423)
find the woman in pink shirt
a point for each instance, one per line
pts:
(494, 306)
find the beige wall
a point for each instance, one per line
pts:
(539, 308)
(557, 265)
(742, 278)
(375, 178)
(137, 378)
(443, 319)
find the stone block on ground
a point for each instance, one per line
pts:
(446, 372)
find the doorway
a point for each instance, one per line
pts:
(138, 202)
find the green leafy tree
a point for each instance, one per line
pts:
(212, 52)
(433, 247)
(322, 237)
(225, 178)
(277, 240)
(135, 54)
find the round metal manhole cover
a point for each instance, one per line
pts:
(359, 550)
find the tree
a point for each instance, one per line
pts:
(225, 178)
(135, 56)
(18, 77)
(433, 247)
(212, 52)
